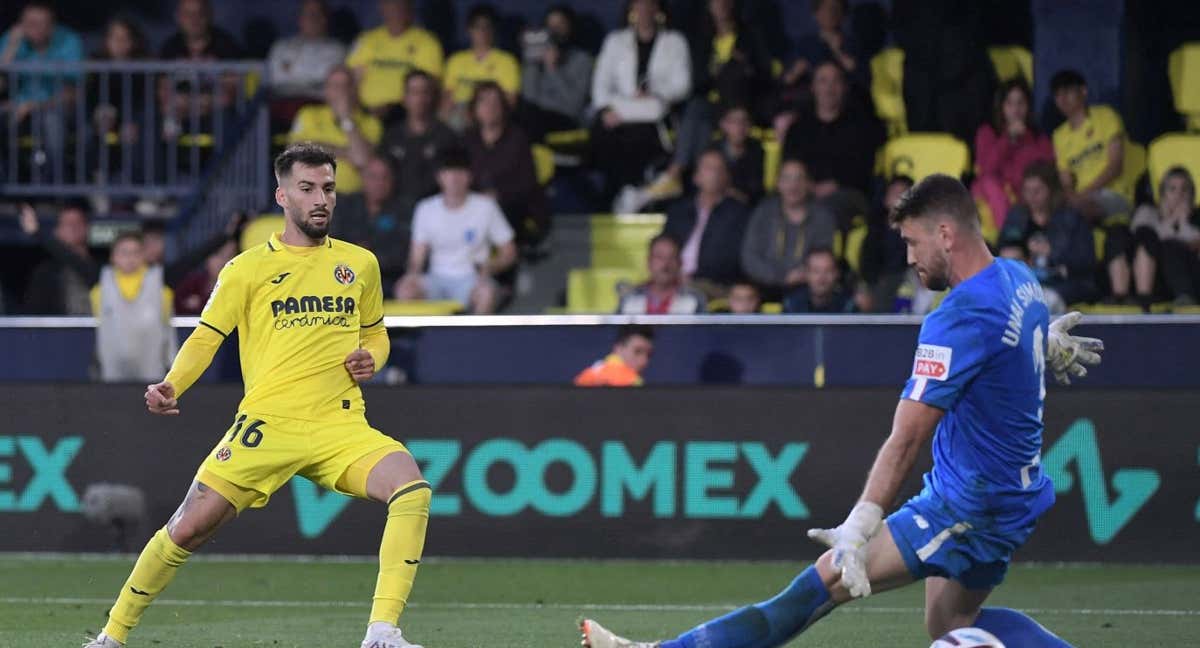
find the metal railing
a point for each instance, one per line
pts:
(189, 132)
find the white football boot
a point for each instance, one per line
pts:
(385, 636)
(597, 636)
(103, 641)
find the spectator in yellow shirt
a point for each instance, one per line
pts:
(624, 366)
(342, 126)
(482, 62)
(1090, 149)
(382, 57)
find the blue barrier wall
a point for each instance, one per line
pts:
(781, 351)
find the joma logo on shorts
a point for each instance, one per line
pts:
(312, 304)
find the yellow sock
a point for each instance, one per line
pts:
(400, 549)
(151, 574)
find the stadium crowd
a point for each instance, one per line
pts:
(437, 170)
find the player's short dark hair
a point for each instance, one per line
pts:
(454, 157)
(629, 331)
(1066, 79)
(938, 195)
(306, 153)
(483, 10)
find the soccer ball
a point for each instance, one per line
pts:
(968, 638)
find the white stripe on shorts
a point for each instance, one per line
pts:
(932, 546)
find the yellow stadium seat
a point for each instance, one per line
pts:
(920, 154)
(1099, 238)
(1012, 61)
(1173, 149)
(1132, 168)
(887, 89)
(1183, 70)
(854, 243)
(772, 308)
(987, 221)
(622, 241)
(421, 308)
(772, 153)
(259, 230)
(543, 163)
(594, 290)
(567, 137)
(839, 243)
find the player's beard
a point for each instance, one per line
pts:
(312, 230)
(937, 274)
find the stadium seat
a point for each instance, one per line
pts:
(411, 308)
(1183, 70)
(1133, 166)
(920, 154)
(259, 230)
(543, 163)
(772, 153)
(1012, 61)
(594, 290)
(772, 308)
(987, 221)
(1099, 238)
(1173, 149)
(853, 248)
(621, 241)
(887, 89)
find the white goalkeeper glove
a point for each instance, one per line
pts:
(1068, 355)
(849, 544)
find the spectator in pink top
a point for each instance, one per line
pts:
(1005, 146)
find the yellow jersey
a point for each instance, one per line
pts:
(298, 311)
(317, 124)
(1084, 150)
(464, 71)
(388, 59)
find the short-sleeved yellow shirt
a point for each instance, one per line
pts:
(388, 59)
(1084, 150)
(464, 71)
(298, 311)
(318, 124)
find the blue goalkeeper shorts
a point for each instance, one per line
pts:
(934, 541)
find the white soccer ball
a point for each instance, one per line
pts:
(968, 638)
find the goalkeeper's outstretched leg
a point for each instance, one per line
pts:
(808, 598)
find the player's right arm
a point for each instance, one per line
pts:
(221, 315)
(949, 356)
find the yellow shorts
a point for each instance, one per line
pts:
(258, 454)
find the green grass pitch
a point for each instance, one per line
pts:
(53, 601)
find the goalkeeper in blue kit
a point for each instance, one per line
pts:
(977, 388)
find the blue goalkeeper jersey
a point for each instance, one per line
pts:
(981, 359)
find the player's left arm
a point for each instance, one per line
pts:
(373, 341)
(1069, 355)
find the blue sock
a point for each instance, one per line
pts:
(763, 625)
(1016, 629)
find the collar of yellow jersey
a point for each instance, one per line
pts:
(275, 244)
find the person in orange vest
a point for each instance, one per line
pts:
(624, 366)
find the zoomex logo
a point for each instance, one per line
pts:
(47, 468)
(563, 478)
(311, 310)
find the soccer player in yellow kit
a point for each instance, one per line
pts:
(309, 314)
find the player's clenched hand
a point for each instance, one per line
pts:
(849, 544)
(1069, 355)
(160, 399)
(361, 365)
